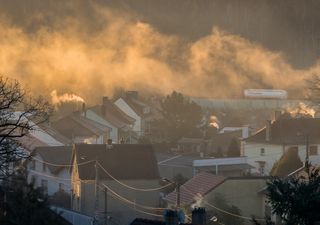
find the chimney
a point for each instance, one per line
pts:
(105, 101)
(109, 144)
(84, 110)
(277, 114)
(199, 216)
(171, 217)
(268, 130)
(132, 94)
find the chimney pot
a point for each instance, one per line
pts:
(199, 216)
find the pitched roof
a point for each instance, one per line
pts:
(29, 142)
(200, 184)
(60, 155)
(54, 133)
(113, 114)
(123, 161)
(76, 125)
(290, 131)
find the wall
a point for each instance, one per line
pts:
(242, 193)
(272, 154)
(170, 171)
(122, 212)
(130, 112)
(114, 130)
(53, 179)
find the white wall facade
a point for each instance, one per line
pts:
(123, 106)
(271, 154)
(39, 173)
(114, 134)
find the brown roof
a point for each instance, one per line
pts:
(123, 161)
(290, 131)
(113, 114)
(29, 142)
(200, 184)
(60, 155)
(76, 125)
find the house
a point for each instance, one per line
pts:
(114, 181)
(48, 169)
(82, 130)
(108, 114)
(227, 166)
(241, 192)
(266, 147)
(171, 165)
(142, 111)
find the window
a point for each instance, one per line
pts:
(33, 179)
(313, 150)
(44, 168)
(262, 152)
(44, 185)
(61, 187)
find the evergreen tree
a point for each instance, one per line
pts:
(296, 199)
(234, 148)
(288, 163)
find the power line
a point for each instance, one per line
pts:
(62, 165)
(221, 210)
(130, 187)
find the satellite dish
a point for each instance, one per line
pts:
(214, 219)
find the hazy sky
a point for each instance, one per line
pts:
(209, 48)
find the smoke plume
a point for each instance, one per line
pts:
(59, 99)
(127, 53)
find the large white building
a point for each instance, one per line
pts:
(266, 147)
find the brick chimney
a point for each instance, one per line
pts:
(268, 130)
(105, 101)
(171, 217)
(199, 216)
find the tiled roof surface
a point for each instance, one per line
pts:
(200, 184)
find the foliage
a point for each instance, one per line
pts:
(19, 114)
(180, 118)
(26, 205)
(288, 163)
(234, 148)
(296, 199)
(222, 217)
(61, 199)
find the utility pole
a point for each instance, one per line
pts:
(307, 154)
(106, 205)
(96, 195)
(178, 195)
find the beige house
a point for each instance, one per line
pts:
(266, 147)
(111, 182)
(241, 192)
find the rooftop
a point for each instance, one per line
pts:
(122, 161)
(290, 131)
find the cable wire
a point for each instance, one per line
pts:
(62, 165)
(130, 187)
(221, 210)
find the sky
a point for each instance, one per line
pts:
(212, 49)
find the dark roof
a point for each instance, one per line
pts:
(113, 114)
(76, 125)
(123, 161)
(223, 140)
(135, 104)
(290, 131)
(166, 159)
(54, 133)
(60, 155)
(140, 221)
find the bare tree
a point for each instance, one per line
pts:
(19, 114)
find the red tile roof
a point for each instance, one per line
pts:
(200, 184)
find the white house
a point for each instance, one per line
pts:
(47, 168)
(108, 114)
(265, 147)
(140, 110)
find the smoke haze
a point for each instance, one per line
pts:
(92, 57)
